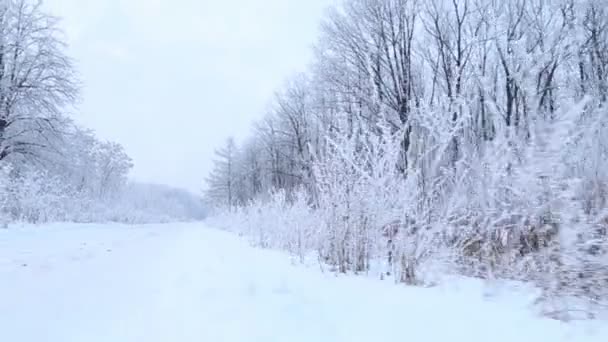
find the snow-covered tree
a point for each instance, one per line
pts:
(50, 168)
(470, 133)
(36, 79)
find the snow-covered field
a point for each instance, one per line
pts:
(186, 282)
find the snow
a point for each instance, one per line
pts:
(186, 282)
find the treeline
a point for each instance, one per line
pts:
(50, 168)
(470, 134)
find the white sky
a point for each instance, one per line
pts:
(172, 79)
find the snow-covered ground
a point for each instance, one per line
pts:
(185, 282)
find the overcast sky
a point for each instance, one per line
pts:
(172, 79)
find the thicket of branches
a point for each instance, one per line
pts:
(50, 168)
(468, 131)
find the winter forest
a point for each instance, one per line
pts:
(465, 137)
(52, 169)
(436, 163)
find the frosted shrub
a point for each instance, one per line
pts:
(275, 222)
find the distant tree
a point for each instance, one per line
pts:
(222, 182)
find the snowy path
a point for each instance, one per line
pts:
(187, 283)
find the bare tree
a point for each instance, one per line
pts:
(37, 80)
(222, 182)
